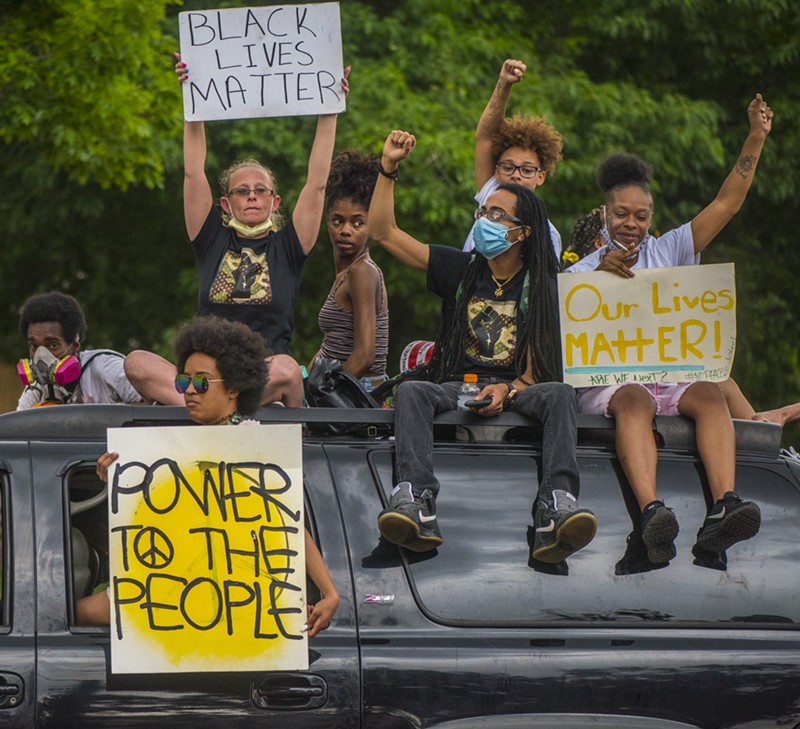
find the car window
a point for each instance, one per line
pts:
(481, 575)
(87, 530)
(4, 553)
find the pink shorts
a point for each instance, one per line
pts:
(666, 395)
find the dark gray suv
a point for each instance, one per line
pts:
(464, 637)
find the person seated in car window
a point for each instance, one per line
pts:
(56, 371)
(500, 322)
(628, 212)
(222, 370)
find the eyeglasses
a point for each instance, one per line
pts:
(199, 382)
(259, 191)
(495, 215)
(507, 168)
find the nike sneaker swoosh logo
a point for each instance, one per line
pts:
(549, 528)
(424, 518)
(721, 515)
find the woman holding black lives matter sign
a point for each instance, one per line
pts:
(248, 265)
(628, 211)
(222, 366)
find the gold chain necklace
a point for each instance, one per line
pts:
(499, 290)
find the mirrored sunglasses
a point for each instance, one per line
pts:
(199, 382)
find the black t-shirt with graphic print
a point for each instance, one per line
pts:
(253, 281)
(492, 327)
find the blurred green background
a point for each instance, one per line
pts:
(91, 128)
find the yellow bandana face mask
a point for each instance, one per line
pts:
(250, 231)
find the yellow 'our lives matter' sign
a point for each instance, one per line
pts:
(663, 325)
(206, 549)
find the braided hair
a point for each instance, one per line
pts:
(537, 318)
(583, 237)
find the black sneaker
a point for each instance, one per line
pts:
(561, 529)
(730, 520)
(635, 560)
(410, 521)
(712, 560)
(659, 528)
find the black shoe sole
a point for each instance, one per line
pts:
(400, 529)
(573, 534)
(740, 524)
(659, 536)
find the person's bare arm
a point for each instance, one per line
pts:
(197, 195)
(320, 614)
(307, 214)
(365, 292)
(710, 221)
(382, 225)
(781, 416)
(491, 119)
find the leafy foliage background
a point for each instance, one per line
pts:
(90, 147)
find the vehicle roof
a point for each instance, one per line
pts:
(90, 422)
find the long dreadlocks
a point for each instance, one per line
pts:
(537, 315)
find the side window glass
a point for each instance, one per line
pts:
(313, 594)
(87, 550)
(480, 575)
(4, 553)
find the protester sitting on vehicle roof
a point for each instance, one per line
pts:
(500, 322)
(354, 319)
(222, 367)
(585, 239)
(521, 150)
(56, 371)
(628, 209)
(249, 266)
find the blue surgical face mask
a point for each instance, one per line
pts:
(490, 238)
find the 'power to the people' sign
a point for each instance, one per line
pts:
(207, 550)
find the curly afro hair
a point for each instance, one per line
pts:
(58, 307)
(530, 132)
(238, 351)
(352, 177)
(623, 170)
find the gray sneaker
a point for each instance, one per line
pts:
(410, 521)
(561, 529)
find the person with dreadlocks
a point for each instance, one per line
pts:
(628, 210)
(584, 239)
(500, 321)
(354, 319)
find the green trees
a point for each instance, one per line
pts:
(90, 146)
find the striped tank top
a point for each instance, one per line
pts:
(336, 325)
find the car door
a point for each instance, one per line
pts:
(18, 596)
(76, 687)
(471, 630)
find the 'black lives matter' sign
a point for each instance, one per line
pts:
(279, 60)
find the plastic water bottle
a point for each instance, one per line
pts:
(469, 390)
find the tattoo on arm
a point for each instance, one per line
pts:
(745, 165)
